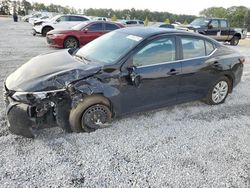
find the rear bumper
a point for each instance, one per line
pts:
(238, 72)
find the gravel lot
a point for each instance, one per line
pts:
(188, 145)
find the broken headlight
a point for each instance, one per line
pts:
(30, 97)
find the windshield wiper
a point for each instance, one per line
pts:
(82, 58)
(86, 59)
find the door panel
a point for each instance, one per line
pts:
(157, 88)
(158, 75)
(197, 69)
(214, 31)
(91, 32)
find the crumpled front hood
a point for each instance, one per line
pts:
(48, 72)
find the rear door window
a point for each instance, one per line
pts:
(193, 47)
(110, 27)
(214, 23)
(63, 19)
(95, 27)
(209, 47)
(223, 23)
(77, 19)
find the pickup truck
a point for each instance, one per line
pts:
(218, 29)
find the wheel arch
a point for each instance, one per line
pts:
(47, 26)
(105, 100)
(238, 35)
(231, 78)
(72, 36)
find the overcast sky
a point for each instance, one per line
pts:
(192, 7)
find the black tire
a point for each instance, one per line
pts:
(78, 113)
(210, 99)
(46, 30)
(71, 42)
(235, 41)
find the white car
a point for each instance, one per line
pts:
(34, 20)
(58, 22)
(132, 23)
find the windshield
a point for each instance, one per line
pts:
(109, 48)
(199, 22)
(80, 26)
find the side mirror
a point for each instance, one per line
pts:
(85, 30)
(135, 78)
(210, 26)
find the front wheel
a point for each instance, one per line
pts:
(71, 42)
(90, 114)
(46, 30)
(218, 92)
(235, 41)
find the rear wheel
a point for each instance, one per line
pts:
(91, 114)
(235, 41)
(71, 42)
(218, 92)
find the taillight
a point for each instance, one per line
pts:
(242, 60)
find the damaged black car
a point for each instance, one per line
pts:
(125, 71)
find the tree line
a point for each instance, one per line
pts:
(22, 7)
(238, 16)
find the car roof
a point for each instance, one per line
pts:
(146, 32)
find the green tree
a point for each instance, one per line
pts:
(146, 21)
(114, 18)
(167, 21)
(185, 22)
(5, 7)
(26, 6)
(217, 12)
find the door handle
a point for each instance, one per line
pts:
(172, 72)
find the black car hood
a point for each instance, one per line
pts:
(49, 72)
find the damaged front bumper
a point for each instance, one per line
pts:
(26, 111)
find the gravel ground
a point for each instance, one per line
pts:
(188, 145)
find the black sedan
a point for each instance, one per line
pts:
(125, 71)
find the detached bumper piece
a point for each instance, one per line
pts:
(18, 121)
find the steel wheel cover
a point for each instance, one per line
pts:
(95, 116)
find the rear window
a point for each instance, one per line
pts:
(223, 23)
(111, 27)
(77, 19)
(193, 47)
(209, 47)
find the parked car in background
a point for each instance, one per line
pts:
(125, 71)
(58, 22)
(41, 19)
(101, 18)
(132, 23)
(218, 29)
(32, 15)
(169, 26)
(80, 34)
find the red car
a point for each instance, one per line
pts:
(80, 34)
